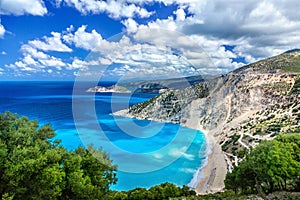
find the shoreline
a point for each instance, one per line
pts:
(198, 175)
(210, 176)
(215, 169)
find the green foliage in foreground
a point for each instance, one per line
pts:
(158, 192)
(272, 165)
(33, 167)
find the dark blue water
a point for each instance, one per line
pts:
(147, 153)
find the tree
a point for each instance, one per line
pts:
(272, 165)
(33, 166)
(170, 190)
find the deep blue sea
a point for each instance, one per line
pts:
(147, 153)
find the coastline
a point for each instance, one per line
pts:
(210, 176)
(214, 171)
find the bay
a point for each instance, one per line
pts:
(147, 153)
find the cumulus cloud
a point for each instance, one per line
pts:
(114, 8)
(82, 65)
(21, 7)
(82, 39)
(256, 29)
(189, 48)
(267, 26)
(180, 14)
(144, 58)
(53, 43)
(36, 61)
(131, 25)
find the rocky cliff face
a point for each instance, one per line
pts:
(256, 102)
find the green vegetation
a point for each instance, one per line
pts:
(293, 65)
(288, 62)
(233, 140)
(139, 107)
(34, 167)
(158, 192)
(271, 166)
(296, 87)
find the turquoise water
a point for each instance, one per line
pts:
(147, 153)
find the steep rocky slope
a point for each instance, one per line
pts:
(253, 103)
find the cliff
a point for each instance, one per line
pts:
(239, 109)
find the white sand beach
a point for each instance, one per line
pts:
(214, 172)
(210, 176)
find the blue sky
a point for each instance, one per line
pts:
(63, 39)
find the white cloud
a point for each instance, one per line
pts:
(114, 8)
(183, 47)
(29, 50)
(130, 24)
(146, 57)
(3, 53)
(82, 65)
(180, 14)
(28, 60)
(267, 26)
(2, 30)
(82, 39)
(53, 43)
(53, 62)
(36, 61)
(257, 29)
(21, 7)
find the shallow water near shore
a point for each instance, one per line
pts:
(172, 153)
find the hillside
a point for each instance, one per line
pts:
(161, 85)
(236, 111)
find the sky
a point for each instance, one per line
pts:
(66, 39)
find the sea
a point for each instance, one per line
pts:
(147, 153)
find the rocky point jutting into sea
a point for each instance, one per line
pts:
(235, 111)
